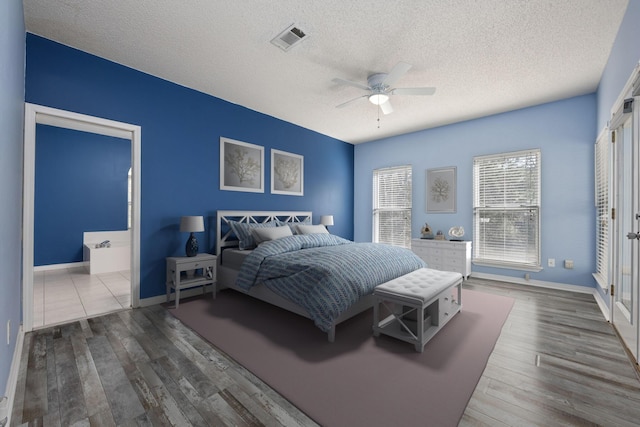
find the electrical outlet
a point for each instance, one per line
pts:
(568, 264)
(551, 262)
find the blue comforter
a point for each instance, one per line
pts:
(323, 273)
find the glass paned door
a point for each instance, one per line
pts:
(626, 272)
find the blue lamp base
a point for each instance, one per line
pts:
(192, 246)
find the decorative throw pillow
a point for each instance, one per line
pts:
(242, 230)
(294, 225)
(266, 234)
(312, 229)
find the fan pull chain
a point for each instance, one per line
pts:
(378, 116)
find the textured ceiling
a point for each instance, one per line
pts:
(484, 56)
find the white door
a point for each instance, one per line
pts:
(626, 274)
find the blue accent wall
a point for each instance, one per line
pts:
(80, 185)
(565, 132)
(181, 129)
(12, 52)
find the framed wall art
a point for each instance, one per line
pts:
(441, 190)
(241, 166)
(287, 173)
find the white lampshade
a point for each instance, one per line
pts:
(191, 224)
(326, 220)
(378, 98)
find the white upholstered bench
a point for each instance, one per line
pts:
(433, 296)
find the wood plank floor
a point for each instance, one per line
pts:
(557, 362)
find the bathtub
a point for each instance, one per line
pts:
(106, 260)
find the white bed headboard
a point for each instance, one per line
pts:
(224, 235)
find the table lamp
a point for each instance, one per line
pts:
(191, 224)
(326, 220)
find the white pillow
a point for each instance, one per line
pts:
(242, 231)
(270, 233)
(312, 229)
(294, 225)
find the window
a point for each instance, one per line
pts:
(506, 210)
(392, 206)
(602, 168)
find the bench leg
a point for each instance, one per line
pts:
(420, 329)
(376, 317)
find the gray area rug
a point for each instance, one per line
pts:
(358, 380)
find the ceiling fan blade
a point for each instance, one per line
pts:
(344, 104)
(386, 107)
(396, 72)
(350, 83)
(413, 91)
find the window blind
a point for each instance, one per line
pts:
(602, 167)
(506, 191)
(392, 188)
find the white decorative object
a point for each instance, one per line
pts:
(444, 255)
(287, 173)
(241, 166)
(456, 232)
(441, 190)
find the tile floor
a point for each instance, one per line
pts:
(69, 294)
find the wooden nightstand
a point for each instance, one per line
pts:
(178, 279)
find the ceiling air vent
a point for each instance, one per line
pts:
(289, 38)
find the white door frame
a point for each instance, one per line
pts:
(37, 114)
(626, 322)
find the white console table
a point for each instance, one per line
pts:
(178, 278)
(444, 255)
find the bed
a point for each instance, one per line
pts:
(311, 275)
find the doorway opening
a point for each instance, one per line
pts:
(35, 115)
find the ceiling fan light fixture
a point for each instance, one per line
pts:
(378, 98)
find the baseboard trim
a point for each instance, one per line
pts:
(537, 283)
(602, 304)
(604, 308)
(12, 382)
(59, 266)
(161, 299)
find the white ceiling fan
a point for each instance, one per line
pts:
(379, 87)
